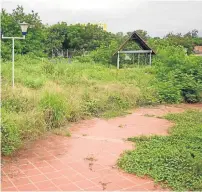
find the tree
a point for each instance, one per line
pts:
(10, 26)
(143, 34)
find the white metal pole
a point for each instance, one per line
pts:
(13, 56)
(145, 58)
(150, 59)
(118, 61)
(13, 74)
(138, 59)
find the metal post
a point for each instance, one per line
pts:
(150, 58)
(13, 58)
(118, 61)
(138, 59)
(13, 75)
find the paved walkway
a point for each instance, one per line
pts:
(87, 159)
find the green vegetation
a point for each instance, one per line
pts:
(49, 93)
(179, 75)
(175, 160)
(43, 40)
(68, 92)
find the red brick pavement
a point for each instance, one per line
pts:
(86, 160)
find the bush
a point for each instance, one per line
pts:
(169, 93)
(18, 128)
(16, 104)
(33, 82)
(104, 53)
(54, 108)
(17, 100)
(84, 59)
(177, 75)
(10, 134)
(48, 68)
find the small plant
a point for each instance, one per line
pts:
(62, 132)
(121, 126)
(48, 68)
(10, 137)
(104, 185)
(16, 104)
(90, 158)
(68, 134)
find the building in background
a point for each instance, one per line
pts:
(103, 26)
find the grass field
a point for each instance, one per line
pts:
(49, 95)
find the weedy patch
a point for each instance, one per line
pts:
(104, 185)
(175, 160)
(92, 159)
(62, 132)
(56, 94)
(149, 115)
(122, 126)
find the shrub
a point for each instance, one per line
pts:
(54, 108)
(104, 53)
(48, 68)
(169, 93)
(18, 128)
(17, 100)
(117, 102)
(91, 106)
(176, 73)
(15, 104)
(84, 59)
(10, 134)
(33, 82)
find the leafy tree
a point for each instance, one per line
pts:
(10, 27)
(143, 34)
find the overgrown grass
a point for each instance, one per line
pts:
(53, 94)
(49, 95)
(176, 160)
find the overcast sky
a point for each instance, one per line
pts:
(157, 17)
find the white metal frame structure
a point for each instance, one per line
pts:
(134, 52)
(142, 44)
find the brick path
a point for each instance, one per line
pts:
(86, 160)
